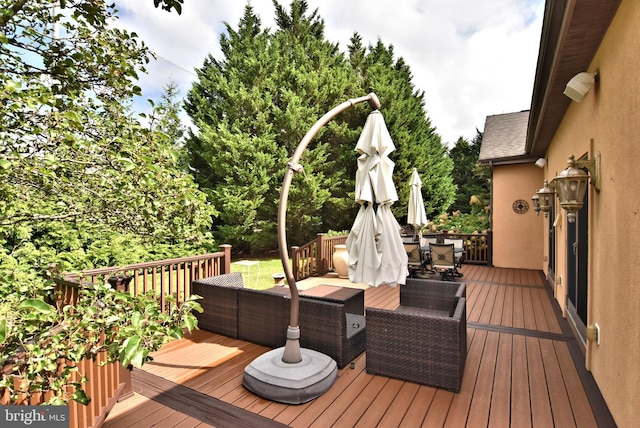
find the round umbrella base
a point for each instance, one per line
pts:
(291, 383)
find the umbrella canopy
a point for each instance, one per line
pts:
(374, 244)
(417, 216)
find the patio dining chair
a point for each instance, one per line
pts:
(458, 254)
(426, 252)
(443, 260)
(414, 254)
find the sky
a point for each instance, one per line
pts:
(471, 58)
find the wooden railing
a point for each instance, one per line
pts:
(110, 383)
(106, 384)
(315, 258)
(165, 277)
(477, 246)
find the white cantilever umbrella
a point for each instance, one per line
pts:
(374, 244)
(416, 216)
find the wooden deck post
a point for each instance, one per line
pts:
(226, 262)
(321, 266)
(124, 377)
(490, 248)
(295, 263)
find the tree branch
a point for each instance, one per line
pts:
(17, 219)
(17, 7)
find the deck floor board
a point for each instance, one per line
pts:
(520, 372)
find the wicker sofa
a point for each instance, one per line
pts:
(425, 339)
(262, 317)
(220, 303)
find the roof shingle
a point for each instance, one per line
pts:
(505, 136)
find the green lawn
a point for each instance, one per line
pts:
(267, 268)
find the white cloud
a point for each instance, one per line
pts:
(471, 58)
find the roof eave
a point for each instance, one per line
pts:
(571, 34)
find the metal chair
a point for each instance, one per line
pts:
(426, 252)
(459, 252)
(414, 254)
(443, 260)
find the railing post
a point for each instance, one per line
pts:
(226, 262)
(321, 266)
(124, 375)
(490, 247)
(295, 262)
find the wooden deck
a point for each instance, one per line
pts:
(524, 369)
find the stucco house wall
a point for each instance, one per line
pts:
(516, 236)
(607, 121)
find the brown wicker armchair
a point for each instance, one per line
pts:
(220, 303)
(427, 343)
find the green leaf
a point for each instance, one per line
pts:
(36, 304)
(4, 331)
(135, 319)
(176, 332)
(131, 346)
(127, 164)
(81, 397)
(139, 357)
(112, 319)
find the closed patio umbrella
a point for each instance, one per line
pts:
(416, 216)
(374, 244)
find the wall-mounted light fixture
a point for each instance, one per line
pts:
(571, 184)
(536, 204)
(545, 196)
(580, 85)
(541, 162)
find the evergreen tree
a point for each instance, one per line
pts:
(252, 109)
(253, 106)
(417, 143)
(471, 178)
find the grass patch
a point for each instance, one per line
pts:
(250, 276)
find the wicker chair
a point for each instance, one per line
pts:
(220, 303)
(426, 344)
(431, 294)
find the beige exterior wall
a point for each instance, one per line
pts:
(608, 121)
(516, 236)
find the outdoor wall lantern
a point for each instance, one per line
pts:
(545, 196)
(580, 85)
(571, 184)
(536, 204)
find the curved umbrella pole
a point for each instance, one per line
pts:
(290, 374)
(292, 348)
